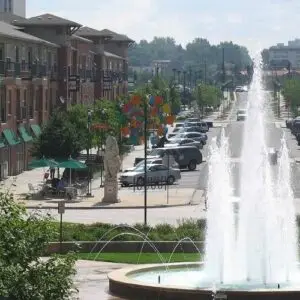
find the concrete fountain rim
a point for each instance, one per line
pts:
(121, 284)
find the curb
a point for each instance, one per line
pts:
(109, 207)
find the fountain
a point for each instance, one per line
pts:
(251, 243)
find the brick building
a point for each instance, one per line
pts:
(45, 62)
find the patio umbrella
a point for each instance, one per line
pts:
(42, 163)
(72, 164)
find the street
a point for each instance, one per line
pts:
(198, 179)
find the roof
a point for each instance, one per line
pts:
(116, 36)
(10, 18)
(81, 39)
(48, 20)
(108, 54)
(11, 31)
(91, 32)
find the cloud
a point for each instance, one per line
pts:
(259, 22)
(234, 18)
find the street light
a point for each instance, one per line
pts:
(89, 121)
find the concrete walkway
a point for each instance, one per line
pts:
(91, 279)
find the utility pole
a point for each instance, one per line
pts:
(178, 74)
(184, 88)
(190, 77)
(205, 71)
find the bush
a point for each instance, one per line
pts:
(194, 229)
(23, 240)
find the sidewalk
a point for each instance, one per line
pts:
(129, 197)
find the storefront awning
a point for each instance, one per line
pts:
(36, 130)
(24, 134)
(10, 137)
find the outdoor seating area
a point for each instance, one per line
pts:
(70, 185)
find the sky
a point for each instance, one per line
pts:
(255, 24)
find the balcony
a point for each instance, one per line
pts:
(38, 70)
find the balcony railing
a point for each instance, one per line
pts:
(37, 70)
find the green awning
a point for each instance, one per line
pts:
(2, 143)
(10, 137)
(24, 134)
(36, 130)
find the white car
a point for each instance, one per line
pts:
(156, 174)
(241, 115)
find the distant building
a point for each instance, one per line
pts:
(160, 66)
(282, 54)
(16, 7)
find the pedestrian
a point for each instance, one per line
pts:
(52, 173)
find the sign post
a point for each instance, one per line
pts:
(61, 211)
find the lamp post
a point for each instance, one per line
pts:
(174, 74)
(184, 87)
(89, 121)
(145, 160)
(178, 76)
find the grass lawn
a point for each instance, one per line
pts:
(137, 258)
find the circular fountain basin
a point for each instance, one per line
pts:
(183, 281)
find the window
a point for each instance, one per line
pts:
(18, 104)
(9, 101)
(30, 104)
(3, 105)
(9, 6)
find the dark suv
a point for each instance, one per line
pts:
(185, 156)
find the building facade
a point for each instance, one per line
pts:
(52, 62)
(16, 7)
(282, 54)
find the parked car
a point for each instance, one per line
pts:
(185, 156)
(152, 161)
(202, 125)
(156, 173)
(241, 115)
(196, 136)
(241, 89)
(184, 142)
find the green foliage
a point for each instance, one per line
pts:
(23, 240)
(199, 54)
(291, 92)
(60, 138)
(207, 95)
(163, 232)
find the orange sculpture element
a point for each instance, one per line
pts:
(125, 131)
(133, 123)
(158, 100)
(170, 119)
(135, 100)
(154, 111)
(160, 131)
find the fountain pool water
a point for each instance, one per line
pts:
(250, 251)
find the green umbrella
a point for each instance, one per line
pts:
(42, 163)
(72, 164)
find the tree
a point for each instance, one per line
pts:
(207, 95)
(23, 240)
(291, 92)
(199, 54)
(60, 138)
